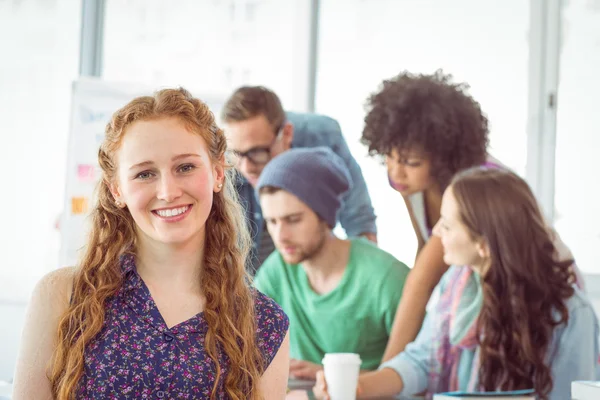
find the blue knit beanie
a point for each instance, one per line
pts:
(316, 175)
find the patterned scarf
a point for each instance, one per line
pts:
(455, 326)
(455, 330)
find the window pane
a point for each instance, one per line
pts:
(40, 60)
(364, 42)
(208, 46)
(578, 133)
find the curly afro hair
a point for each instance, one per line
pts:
(429, 114)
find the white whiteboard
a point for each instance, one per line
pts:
(93, 103)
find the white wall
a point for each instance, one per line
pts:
(12, 316)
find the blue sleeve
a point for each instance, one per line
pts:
(414, 363)
(271, 327)
(577, 353)
(251, 209)
(357, 215)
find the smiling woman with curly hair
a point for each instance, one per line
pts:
(428, 128)
(160, 305)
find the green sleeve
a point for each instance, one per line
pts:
(264, 279)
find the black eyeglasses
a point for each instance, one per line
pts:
(257, 155)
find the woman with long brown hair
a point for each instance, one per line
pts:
(533, 328)
(160, 305)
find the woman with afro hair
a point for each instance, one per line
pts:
(428, 128)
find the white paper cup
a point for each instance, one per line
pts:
(341, 373)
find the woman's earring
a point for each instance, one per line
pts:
(220, 186)
(118, 203)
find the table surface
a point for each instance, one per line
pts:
(300, 385)
(293, 384)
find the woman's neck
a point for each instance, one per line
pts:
(176, 266)
(432, 198)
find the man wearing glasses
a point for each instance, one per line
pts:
(258, 129)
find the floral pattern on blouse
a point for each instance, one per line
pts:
(136, 356)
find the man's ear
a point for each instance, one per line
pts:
(288, 135)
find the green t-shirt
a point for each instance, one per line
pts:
(355, 317)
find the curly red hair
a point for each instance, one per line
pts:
(229, 309)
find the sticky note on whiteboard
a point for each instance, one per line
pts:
(79, 205)
(86, 173)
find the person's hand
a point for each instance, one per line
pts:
(297, 395)
(320, 388)
(300, 369)
(370, 236)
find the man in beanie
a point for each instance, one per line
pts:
(258, 130)
(340, 295)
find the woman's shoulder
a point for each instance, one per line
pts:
(50, 299)
(578, 338)
(55, 287)
(579, 302)
(269, 315)
(271, 326)
(582, 319)
(493, 162)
